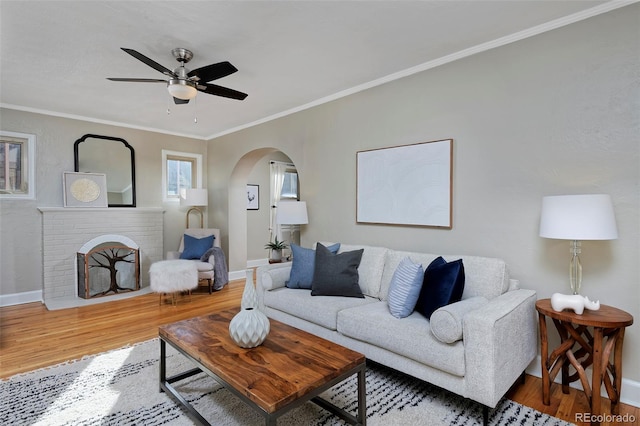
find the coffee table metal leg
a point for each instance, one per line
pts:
(163, 365)
(165, 385)
(362, 397)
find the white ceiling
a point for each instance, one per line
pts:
(55, 56)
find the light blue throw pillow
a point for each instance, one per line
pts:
(194, 247)
(304, 263)
(404, 289)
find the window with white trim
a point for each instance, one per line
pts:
(17, 165)
(180, 170)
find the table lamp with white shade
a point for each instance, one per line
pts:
(291, 213)
(194, 198)
(576, 218)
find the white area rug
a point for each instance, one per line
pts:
(120, 387)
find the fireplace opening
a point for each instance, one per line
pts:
(110, 267)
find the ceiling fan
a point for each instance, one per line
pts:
(184, 84)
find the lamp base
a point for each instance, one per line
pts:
(201, 216)
(575, 267)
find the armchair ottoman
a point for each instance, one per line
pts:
(173, 277)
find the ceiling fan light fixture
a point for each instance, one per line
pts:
(182, 89)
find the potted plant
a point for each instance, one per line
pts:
(276, 248)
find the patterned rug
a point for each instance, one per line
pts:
(120, 387)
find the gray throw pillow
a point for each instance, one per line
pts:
(304, 261)
(336, 274)
(446, 322)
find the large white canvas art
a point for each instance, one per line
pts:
(406, 185)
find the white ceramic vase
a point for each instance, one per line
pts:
(249, 328)
(249, 295)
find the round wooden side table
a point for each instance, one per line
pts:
(581, 349)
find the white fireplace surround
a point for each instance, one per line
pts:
(109, 238)
(67, 231)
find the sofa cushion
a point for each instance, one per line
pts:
(303, 265)
(446, 322)
(410, 337)
(371, 267)
(336, 274)
(194, 247)
(443, 284)
(405, 288)
(320, 310)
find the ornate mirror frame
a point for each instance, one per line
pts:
(104, 158)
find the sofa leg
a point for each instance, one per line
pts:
(485, 415)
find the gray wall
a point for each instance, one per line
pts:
(20, 220)
(554, 114)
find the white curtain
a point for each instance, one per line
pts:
(278, 170)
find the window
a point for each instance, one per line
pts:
(289, 186)
(17, 165)
(180, 170)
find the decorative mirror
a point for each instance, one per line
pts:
(113, 157)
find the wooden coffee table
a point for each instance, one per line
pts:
(290, 368)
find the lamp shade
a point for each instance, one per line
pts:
(578, 217)
(194, 197)
(292, 213)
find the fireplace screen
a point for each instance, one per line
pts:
(108, 268)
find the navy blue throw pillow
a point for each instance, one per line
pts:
(443, 284)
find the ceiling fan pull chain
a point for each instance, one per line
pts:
(169, 105)
(195, 112)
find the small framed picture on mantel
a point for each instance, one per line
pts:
(253, 197)
(84, 189)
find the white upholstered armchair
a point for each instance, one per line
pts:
(193, 245)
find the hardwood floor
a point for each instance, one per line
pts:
(32, 337)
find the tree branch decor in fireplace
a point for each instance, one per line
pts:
(108, 268)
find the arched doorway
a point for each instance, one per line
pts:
(237, 207)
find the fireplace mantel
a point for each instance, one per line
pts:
(66, 230)
(134, 210)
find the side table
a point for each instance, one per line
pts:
(608, 324)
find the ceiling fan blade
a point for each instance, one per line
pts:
(138, 80)
(214, 89)
(213, 71)
(153, 64)
(179, 101)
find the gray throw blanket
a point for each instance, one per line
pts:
(220, 273)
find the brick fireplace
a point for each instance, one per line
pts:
(67, 231)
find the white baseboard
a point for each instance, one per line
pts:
(237, 275)
(257, 262)
(630, 388)
(20, 298)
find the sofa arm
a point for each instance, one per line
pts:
(173, 255)
(271, 277)
(500, 340)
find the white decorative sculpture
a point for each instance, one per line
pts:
(577, 303)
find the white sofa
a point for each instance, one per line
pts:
(498, 339)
